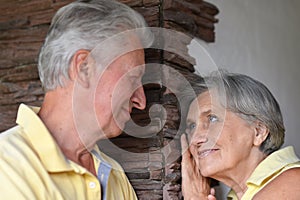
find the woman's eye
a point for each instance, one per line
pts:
(192, 126)
(212, 118)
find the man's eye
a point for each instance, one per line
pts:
(136, 79)
(212, 118)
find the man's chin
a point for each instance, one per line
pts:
(115, 133)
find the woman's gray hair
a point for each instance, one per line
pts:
(81, 25)
(252, 101)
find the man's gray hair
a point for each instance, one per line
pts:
(81, 25)
(252, 101)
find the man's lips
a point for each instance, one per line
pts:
(206, 152)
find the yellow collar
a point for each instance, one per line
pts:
(280, 158)
(41, 140)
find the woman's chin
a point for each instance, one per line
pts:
(206, 169)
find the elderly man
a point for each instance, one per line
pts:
(52, 152)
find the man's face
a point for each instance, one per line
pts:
(119, 90)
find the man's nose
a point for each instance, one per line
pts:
(138, 98)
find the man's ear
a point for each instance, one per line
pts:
(80, 68)
(261, 133)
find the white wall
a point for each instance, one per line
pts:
(261, 38)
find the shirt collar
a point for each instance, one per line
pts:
(231, 195)
(264, 170)
(41, 140)
(279, 159)
(100, 157)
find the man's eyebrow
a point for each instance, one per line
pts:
(141, 72)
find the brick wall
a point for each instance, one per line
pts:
(152, 163)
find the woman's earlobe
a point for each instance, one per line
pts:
(261, 133)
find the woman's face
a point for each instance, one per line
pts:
(220, 141)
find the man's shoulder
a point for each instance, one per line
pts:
(14, 145)
(10, 137)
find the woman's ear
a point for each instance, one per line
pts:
(261, 133)
(80, 68)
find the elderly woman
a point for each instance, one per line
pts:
(235, 130)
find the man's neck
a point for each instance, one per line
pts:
(58, 118)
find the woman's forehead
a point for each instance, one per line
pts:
(205, 102)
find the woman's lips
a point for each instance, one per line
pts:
(206, 152)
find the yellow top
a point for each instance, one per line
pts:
(32, 166)
(271, 167)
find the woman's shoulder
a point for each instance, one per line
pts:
(284, 186)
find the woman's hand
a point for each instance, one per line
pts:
(194, 185)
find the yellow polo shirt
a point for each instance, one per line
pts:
(32, 166)
(271, 167)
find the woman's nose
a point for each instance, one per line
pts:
(198, 139)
